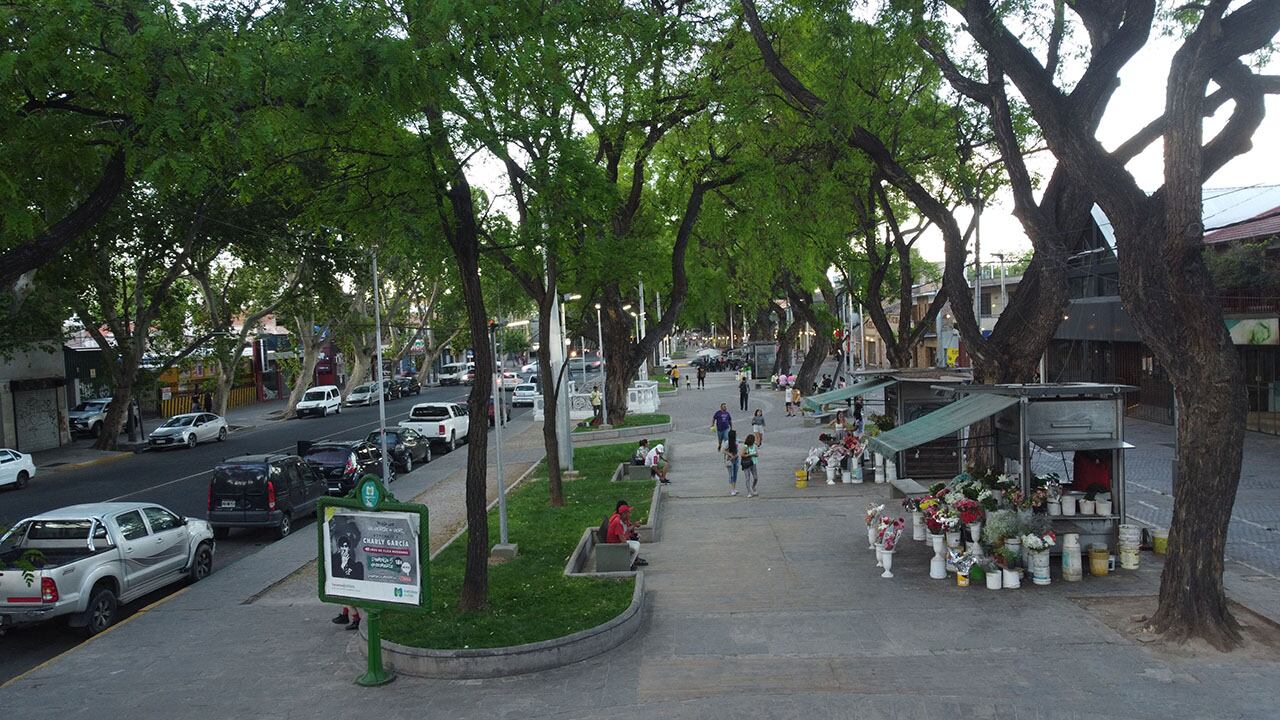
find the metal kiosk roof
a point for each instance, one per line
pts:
(940, 422)
(816, 402)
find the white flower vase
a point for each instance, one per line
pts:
(994, 580)
(871, 537)
(917, 526)
(1038, 563)
(1069, 505)
(831, 474)
(1086, 507)
(1011, 579)
(847, 477)
(857, 474)
(890, 472)
(1055, 508)
(886, 557)
(975, 533)
(879, 555)
(953, 538)
(1102, 507)
(937, 565)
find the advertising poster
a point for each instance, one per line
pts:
(372, 556)
(1255, 331)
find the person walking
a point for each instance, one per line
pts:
(730, 454)
(702, 377)
(795, 400)
(749, 460)
(757, 427)
(722, 423)
(744, 389)
(675, 377)
(596, 400)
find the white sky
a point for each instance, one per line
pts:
(1138, 101)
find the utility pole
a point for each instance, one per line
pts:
(730, 327)
(382, 393)
(977, 263)
(1004, 295)
(498, 415)
(604, 369)
(644, 366)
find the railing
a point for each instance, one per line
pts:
(643, 397)
(179, 404)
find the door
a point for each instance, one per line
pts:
(296, 499)
(170, 539)
(8, 467)
(208, 429)
(464, 422)
(313, 486)
(138, 549)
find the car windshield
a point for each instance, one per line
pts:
(392, 438)
(362, 389)
(180, 421)
(314, 395)
(90, 406)
(526, 388)
(454, 369)
(328, 456)
(430, 412)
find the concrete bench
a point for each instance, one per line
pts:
(902, 487)
(820, 418)
(627, 471)
(610, 557)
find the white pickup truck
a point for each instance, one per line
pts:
(81, 562)
(440, 422)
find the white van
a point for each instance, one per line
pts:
(320, 400)
(458, 373)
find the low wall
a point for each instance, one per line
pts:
(516, 659)
(638, 431)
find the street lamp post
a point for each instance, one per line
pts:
(497, 435)
(604, 369)
(566, 369)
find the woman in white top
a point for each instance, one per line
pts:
(757, 426)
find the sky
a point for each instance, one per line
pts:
(1138, 101)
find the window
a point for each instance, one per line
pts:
(461, 410)
(161, 519)
(65, 530)
(131, 525)
(430, 412)
(986, 304)
(6, 457)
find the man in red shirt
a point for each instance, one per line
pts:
(621, 530)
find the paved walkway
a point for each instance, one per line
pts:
(767, 607)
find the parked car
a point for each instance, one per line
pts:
(409, 386)
(189, 430)
(390, 389)
(15, 469)
(320, 400)
(405, 447)
(342, 464)
(439, 422)
(87, 417)
(366, 394)
(508, 381)
(257, 491)
(89, 559)
(524, 394)
(457, 373)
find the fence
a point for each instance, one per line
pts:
(179, 404)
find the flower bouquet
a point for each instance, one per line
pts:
(1038, 543)
(890, 531)
(969, 511)
(911, 504)
(873, 512)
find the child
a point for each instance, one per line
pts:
(749, 462)
(757, 427)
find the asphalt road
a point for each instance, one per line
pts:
(179, 479)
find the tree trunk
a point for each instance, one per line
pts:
(550, 404)
(222, 391)
(123, 379)
(618, 328)
(306, 373)
(360, 366)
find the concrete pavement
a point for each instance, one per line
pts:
(767, 607)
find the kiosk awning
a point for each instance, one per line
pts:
(940, 422)
(816, 402)
(1067, 445)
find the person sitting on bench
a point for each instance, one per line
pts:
(657, 463)
(642, 451)
(622, 530)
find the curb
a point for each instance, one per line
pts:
(516, 659)
(86, 463)
(623, 433)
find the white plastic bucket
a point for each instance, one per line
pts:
(1129, 556)
(1130, 535)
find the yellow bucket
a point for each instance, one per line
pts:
(1099, 560)
(1160, 540)
(802, 479)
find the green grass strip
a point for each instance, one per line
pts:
(530, 599)
(632, 420)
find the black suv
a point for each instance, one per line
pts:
(262, 491)
(409, 386)
(342, 464)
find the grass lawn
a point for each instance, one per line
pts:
(666, 388)
(633, 420)
(530, 599)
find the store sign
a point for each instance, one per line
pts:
(1254, 331)
(166, 393)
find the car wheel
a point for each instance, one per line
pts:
(202, 564)
(101, 612)
(222, 434)
(191, 441)
(407, 467)
(338, 410)
(22, 479)
(427, 458)
(285, 527)
(453, 442)
(222, 533)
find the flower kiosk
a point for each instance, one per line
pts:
(1057, 486)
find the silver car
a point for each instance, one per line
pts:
(82, 562)
(188, 429)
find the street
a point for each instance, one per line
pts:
(178, 479)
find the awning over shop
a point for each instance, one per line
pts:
(815, 402)
(940, 422)
(1066, 445)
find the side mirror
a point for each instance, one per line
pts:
(183, 520)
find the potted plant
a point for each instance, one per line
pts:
(992, 573)
(1102, 504)
(1010, 573)
(971, 517)
(1087, 504)
(889, 541)
(1037, 551)
(912, 505)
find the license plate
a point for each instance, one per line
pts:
(228, 504)
(162, 441)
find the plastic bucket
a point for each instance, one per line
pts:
(1099, 561)
(1160, 540)
(1128, 556)
(1130, 535)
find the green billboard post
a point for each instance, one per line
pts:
(373, 553)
